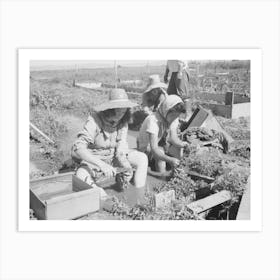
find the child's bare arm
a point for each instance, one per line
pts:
(158, 153)
(174, 138)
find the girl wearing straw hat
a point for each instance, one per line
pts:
(102, 144)
(154, 132)
(154, 94)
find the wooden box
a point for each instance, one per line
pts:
(62, 197)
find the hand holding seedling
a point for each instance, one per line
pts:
(108, 170)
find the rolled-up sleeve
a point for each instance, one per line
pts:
(86, 136)
(152, 126)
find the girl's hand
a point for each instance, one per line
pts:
(108, 170)
(175, 162)
(185, 144)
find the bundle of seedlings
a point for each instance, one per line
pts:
(204, 161)
(206, 137)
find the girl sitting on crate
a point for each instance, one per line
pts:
(158, 135)
(102, 144)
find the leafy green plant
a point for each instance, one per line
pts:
(241, 149)
(208, 162)
(177, 211)
(181, 183)
(233, 180)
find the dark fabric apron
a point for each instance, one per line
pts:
(179, 86)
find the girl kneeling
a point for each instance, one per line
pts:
(102, 144)
(158, 129)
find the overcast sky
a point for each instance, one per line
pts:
(66, 64)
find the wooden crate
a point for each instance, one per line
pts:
(62, 197)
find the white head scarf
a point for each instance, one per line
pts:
(169, 102)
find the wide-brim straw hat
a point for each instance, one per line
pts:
(154, 82)
(117, 99)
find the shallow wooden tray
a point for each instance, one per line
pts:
(61, 197)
